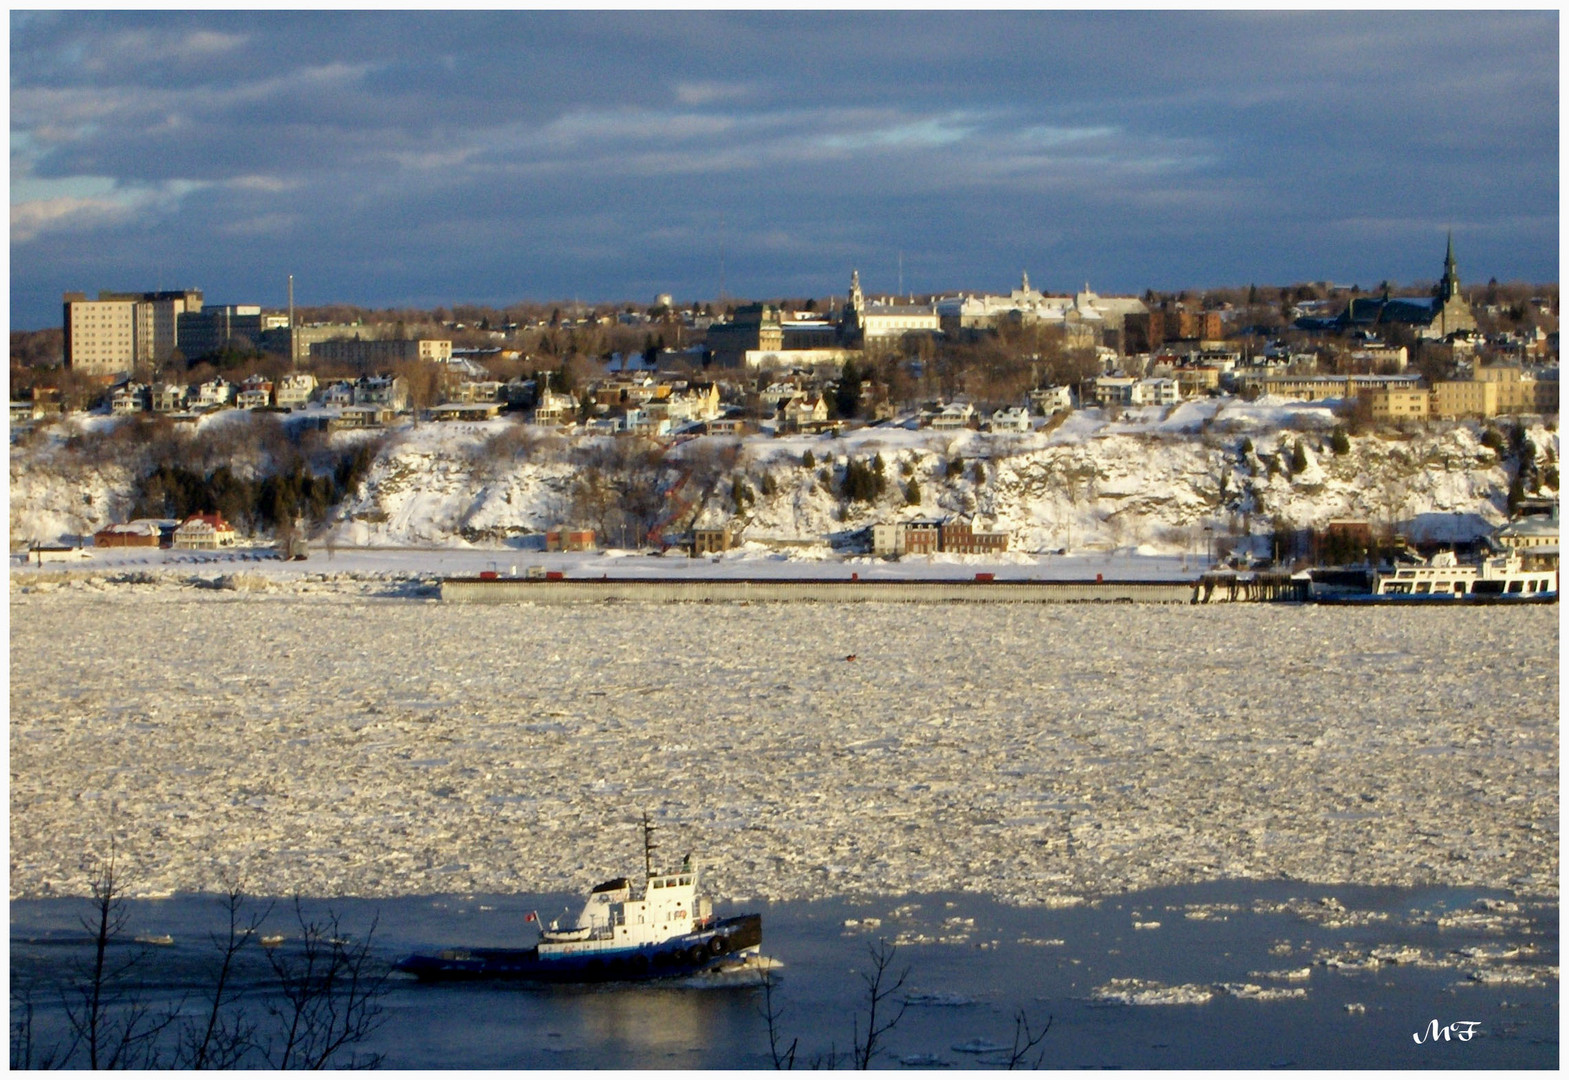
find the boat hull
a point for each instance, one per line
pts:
(1439, 600)
(684, 955)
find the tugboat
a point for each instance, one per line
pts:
(664, 929)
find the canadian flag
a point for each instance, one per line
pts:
(529, 917)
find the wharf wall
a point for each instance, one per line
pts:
(465, 590)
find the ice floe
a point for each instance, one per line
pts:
(1149, 992)
(353, 740)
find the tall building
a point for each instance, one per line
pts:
(116, 332)
(158, 316)
(214, 328)
(100, 335)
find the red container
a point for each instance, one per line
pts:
(554, 575)
(488, 575)
(985, 577)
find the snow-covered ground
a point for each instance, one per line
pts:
(335, 737)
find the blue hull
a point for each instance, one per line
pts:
(680, 956)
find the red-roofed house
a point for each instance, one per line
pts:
(203, 532)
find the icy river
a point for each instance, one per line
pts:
(1321, 826)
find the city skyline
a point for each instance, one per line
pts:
(417, 159)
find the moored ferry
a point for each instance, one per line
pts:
(664, 928)
(1499, 578)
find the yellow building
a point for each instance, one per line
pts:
(1516, 390)
(100, 335)
(1392, 403)
(1470, 398)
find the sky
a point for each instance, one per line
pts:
(430, 158)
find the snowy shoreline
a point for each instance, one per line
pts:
(1035, 753)
(405, 563)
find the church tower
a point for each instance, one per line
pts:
(1453, 312)
(852, 319)
(857, 298)
(1449, 288)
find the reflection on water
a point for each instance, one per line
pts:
(1224, 975)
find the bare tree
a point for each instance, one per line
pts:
(783, 1059)
(224, 1036)
(331, 989)
(1025, 1040)
(108, 1021)
(879, 989)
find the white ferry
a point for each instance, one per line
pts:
(1501, 577)
(665, 928)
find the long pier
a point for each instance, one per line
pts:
(501, 590)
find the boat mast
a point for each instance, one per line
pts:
(648, 846)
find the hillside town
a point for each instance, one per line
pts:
(1005, 363)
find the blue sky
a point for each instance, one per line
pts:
(424, 159)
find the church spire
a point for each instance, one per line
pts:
(1451, 283)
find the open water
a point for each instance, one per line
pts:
(1220, 975)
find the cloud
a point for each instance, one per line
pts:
(929, 131)
(713, 93)
(553, 153)
(88, 204)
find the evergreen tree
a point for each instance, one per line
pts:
(847, 395)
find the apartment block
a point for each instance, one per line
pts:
(100, 335)
(1454, 399)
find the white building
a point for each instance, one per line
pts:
(130, 398)
(1052, 399)
(203, 532)
(950, 417)
(215, 393)
(1014, 419)
(1114, 390)
(294, 390)
(1154, 392)
(884, 321)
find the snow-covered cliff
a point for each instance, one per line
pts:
(1158, 480)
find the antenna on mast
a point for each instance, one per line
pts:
(648, 846)
(721, 260)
